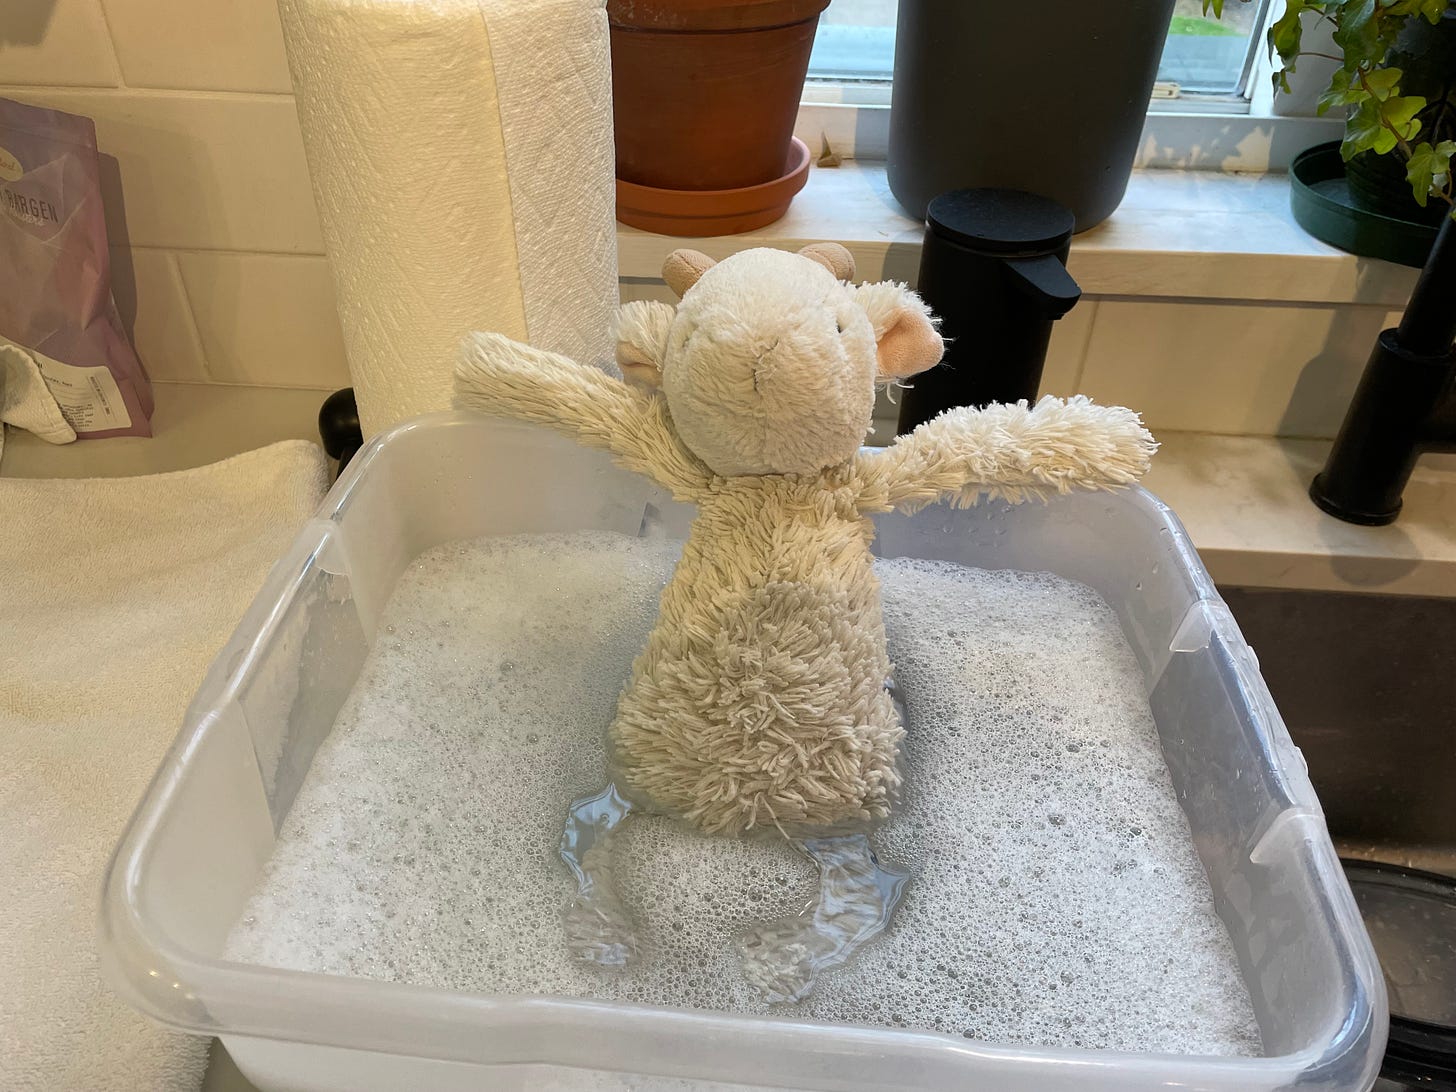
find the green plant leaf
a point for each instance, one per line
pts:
(1432, 10)
(1287, 33)
(1388, 30)
(1400, 113)
(1358, 34)
(1216, 6)
(1429, 169)
(1340, 93)
(1379, 126)
(1383, 82)
(1365, 132)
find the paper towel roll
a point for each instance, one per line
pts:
(461, 158)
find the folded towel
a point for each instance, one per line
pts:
(114, 596)
(25, 400)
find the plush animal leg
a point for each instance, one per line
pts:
(598, 928)
(857, 898)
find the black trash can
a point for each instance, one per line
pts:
(1049, 98)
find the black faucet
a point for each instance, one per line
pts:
(339, 426)
(1405, 404)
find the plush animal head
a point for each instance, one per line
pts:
(770, 362)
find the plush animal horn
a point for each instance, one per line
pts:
(682, 269)
(832, 257)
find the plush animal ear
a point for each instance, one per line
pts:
(905, 330)
(641, 330)
(832, 257)
(682, 268)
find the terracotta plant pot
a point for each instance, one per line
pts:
(713, 212)
(705, 93)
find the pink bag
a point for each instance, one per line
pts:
(55, 273)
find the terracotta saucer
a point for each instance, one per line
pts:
(713, 212)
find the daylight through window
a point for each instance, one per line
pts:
(1204, 56)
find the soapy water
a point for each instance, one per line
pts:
(1054, 899)
(782, 959)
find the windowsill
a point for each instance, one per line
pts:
(1185, 234)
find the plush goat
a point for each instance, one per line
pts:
(760, 699)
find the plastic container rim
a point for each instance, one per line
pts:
(284, 1014)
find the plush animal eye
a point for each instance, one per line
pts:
(838, 326)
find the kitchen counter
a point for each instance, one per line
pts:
(1242, 499)
(194, 424)
(1245, 503)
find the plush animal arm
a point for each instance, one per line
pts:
(1011, 451)
(504, 378)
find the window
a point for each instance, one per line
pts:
(856, 43)
(1211, 56)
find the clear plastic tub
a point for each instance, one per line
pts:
(194, 848)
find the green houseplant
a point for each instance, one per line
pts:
(1383, 47)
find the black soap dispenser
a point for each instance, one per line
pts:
(993, 267)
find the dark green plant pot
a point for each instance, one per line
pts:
(1378, 184)
(1319, 195)
(1426, 56)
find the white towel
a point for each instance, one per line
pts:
(114, 596)
(25, 400)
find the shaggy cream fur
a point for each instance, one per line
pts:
(760, 697)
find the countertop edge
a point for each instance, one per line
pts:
(1242, 498)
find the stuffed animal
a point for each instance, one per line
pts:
(760, 699)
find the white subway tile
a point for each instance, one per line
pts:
(55, 42)
(153, 305)
(266, 319)
(205, 45)
(1250, 369)
(200, 170)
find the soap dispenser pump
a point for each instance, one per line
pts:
(993, 267)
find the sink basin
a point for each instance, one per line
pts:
(1367, 688)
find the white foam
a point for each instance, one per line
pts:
(1057, 897)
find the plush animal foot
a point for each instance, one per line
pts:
(598, 928)
(600, 932)
(782, 959)
(857, 898)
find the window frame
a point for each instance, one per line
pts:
(1241, 91)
